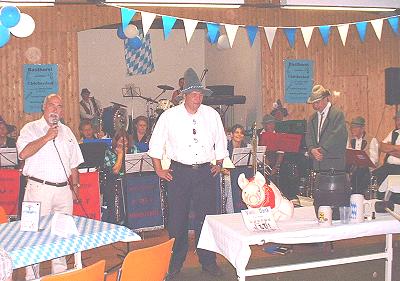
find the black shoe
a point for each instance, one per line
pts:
(213, 269)
(172, 274)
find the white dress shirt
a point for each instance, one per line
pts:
(322, 115)
(189, 138)
(388, 139)
(45, 164)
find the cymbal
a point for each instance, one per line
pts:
(165, 87)
(118, 104)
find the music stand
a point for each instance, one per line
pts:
(107, 141)
(281, 141)
(8, 157)
(138, 163)
(358, 158)
(242, 156)
(93, 155)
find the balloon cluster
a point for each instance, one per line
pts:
(132, 34)
(12, 21)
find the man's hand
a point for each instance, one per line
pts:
(317, 154)
(215, 169)
(75, 193)
(165, 174)
(52, 133)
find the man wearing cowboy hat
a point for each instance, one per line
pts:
(191, 135)
(326, 135)
(89, 107)
(391, 146)
(360, 176)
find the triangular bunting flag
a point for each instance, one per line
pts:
(126, 16)
(168, 24)
(377, 25)
(343, 30)
(213, 32)
(190, 26)
(307, 33)
(270, 34)
(362, 29)
(394, 23)
(231, 31)
(290, 35)
(251, 33)
(325, 31)
(147, 20)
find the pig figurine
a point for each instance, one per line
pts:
(256, 193)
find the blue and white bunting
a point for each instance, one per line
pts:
(168, 24)
(231, 31)
(213, 32)
(270, 34)
(343, 31)
(394, 23)
(377, 25)
(147, 21)
(190, 26)
(126, 17)
(307, 33)
(251, 33)
(325, 30)
(290, 33)
(362, 30)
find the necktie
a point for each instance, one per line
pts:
(320, 125)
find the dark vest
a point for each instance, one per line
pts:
(394, 139)
(95, 107)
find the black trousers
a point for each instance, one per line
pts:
(381, 173)
(360, 179)
(187, 184)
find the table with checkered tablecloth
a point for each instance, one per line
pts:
(26, 248)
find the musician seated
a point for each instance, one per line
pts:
(5, 130)
(274, 158)
(89, 107)
(177, 96)
(391, 146)
(140, 135)
(114, 169)
(360, 176)
(237, 138)
(278, 111)
(86, 131)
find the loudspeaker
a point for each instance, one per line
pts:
(392, 85)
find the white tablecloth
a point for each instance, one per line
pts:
(26, 248)
(227, 235)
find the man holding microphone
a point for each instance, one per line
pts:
(52, 155)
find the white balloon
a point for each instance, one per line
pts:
(25, 27)
(131, 31)
(223, 42)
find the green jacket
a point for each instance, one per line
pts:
(333, 140)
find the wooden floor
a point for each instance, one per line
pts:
(110, 253)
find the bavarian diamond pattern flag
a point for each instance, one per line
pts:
(139, 61)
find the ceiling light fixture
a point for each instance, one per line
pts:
(342, 5)
(227, 4)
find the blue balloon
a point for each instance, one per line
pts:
(4, 35)
(120, 33)
(10, 16)
(135, 42)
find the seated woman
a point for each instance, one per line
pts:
(237, 138)
(86, 130)
(114, 168)
(141, 134)
(5, 130)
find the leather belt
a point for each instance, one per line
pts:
(58, 184)
(193, 166)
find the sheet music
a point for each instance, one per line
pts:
(8, 157)
(241, 155)
(138, 162)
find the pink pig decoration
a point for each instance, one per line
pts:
(256, 193)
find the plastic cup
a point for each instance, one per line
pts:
(345, 212)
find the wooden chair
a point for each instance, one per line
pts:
(3, 216)
(145, 264)
(94, 272)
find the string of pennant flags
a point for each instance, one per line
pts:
(213, 29)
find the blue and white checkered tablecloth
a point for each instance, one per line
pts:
(26, 248)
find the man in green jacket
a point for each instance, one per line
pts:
(326, 136)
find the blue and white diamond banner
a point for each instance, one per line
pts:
(139, 61)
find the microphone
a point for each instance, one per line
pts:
(53, 120)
